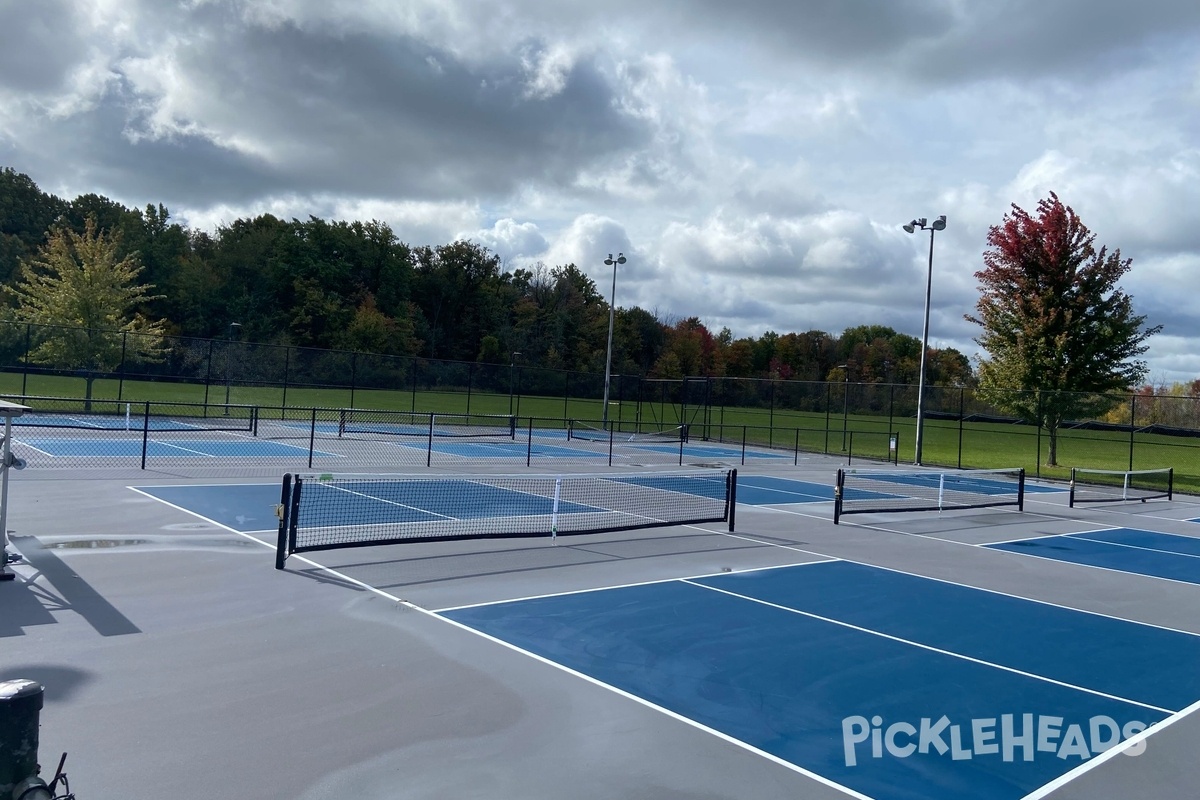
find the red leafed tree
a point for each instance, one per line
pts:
(1060, 335)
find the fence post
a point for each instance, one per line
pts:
(1132, 425)
(470, 380)
(25, 362)
(353, 375)
(287, 365)
(828, 403)
(208, 375)
(146, 433)
(961, 413)
(121, 374)
(412, 362)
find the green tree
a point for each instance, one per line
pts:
(1058, 331)
(88, 296)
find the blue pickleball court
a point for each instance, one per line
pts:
(887, 684)
(1159, 555)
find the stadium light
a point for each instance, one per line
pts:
(610, 262)
(229, 358)
(939, 224)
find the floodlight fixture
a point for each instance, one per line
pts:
(612, 305)
(939, 224)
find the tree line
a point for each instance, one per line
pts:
(357, 286)
(1060, 335)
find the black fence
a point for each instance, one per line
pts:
(962, 429)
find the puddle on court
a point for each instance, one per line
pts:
(93, 544)
(165, 543)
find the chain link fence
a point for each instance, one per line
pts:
(215, 376)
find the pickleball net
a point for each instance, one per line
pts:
(578, 430)
(325, 512)
(1117, 486)
(375, 424)
(883, 491)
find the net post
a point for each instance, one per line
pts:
(293, 514)
(731, 497)
(1170, 482)
(528, 443)
(1071, 495)
(1021, 490)
(341, 422)
(837, 495)
(611, 429)
(795, 450)
(850, 448)
(281, 542)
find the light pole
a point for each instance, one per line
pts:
(228, 360)
(512, 363)
(845, 368)
(611, 262)
(939, 224)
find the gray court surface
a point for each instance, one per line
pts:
(178, 663)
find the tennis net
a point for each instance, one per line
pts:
(880, 491)
(1116, 486)
(582, 431)
(375, 423)
(324, 512)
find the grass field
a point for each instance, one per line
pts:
(946, 442)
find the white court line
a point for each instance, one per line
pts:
(1111, 753)
(1036, 538)
(971, 586)
(1086, 538)
(181, 447)
(641, 701)
(1093, 566)
(672, 714)
(381, 500)
(933, 649)
(786, 764)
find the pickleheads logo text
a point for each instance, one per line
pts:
(1009, 737)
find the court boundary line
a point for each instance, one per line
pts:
(1039, 793)
(1035, 538)
(1112, 752)
(931, 648)
(822, 557)
(620, 692)
(1085, 538)
(635, 584)
(660, 709)
(978, 588)
(1096, 566)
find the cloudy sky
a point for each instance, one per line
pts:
(754, 160)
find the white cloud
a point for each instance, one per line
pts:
(753, 162)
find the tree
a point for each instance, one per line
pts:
(86, 294)
(1059, 332)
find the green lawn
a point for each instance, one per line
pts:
(971, 445)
